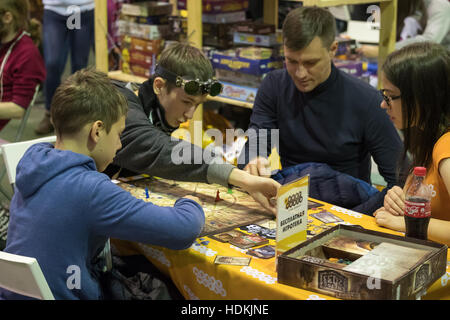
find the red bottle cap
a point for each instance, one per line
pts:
(420, 171)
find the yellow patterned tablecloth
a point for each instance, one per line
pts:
(197, 277)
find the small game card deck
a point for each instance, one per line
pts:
(235, 261)
(227, 236)
(260, 231)
(265, 252)
(240, 239)
(248, 240)
(326, 217)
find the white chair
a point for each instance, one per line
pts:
(23, 275)
(13, 152)
(19, 134)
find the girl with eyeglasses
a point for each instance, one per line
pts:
(416, 92)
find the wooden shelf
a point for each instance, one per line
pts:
(119, 75)
(231, 101)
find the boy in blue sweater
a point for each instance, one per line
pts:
(68, 229)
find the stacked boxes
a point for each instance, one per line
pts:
(348, 61)
(219, 20)
(256, 52)
(142, 27)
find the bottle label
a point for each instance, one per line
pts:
(417, 209)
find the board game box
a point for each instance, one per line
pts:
(353, 263)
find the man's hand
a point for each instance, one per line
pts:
(259, 166)
(260, 188)
(394, 201)
(388, 220)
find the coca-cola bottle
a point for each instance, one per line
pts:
(417, 206)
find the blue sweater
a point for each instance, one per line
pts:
(339, 123)
(64, 210)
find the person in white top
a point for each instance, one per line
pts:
(68, 26)
(418, 21)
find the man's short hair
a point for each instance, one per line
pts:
(303, 24)
(83, 98)
(186, 61)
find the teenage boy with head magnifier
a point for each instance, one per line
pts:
(182, 80)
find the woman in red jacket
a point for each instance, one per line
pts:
(21, 64)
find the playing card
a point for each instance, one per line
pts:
(236, 261)
(260, 231)
(326, 217)
(265, 252)
(226, 236)
(248, 240)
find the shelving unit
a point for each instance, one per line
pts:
(194, 23)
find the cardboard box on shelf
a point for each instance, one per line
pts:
(217, 6)
(237, 92)
(148, 46)
(143, 31)
(147, 8)
(136, 69)
(151, 20)
(228, 60)
(355, 68)
(268, 40)
(142, 58)
(256, 28)
(224, 17)
(239, 78)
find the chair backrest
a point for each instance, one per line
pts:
(13, 152)
(23, 275)
(26, 115)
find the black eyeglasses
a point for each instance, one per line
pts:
(388, 99)
(191, 87)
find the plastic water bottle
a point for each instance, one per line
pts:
(418, 206)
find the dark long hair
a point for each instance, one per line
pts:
(422, 73)
(20, 10)
(408, 8)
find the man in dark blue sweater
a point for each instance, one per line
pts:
(323, 114)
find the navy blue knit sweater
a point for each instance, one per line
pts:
(339, 123)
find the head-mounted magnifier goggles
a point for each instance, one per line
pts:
(191, 87)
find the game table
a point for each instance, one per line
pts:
(197, 276)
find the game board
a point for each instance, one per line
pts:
(225, 209)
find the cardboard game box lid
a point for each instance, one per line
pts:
(349, 262)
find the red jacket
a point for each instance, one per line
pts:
(24, 69)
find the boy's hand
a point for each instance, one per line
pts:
(259, 166)
(260, 188)
(394, 201)
(191, 197)
(263, 190)
(388, 220)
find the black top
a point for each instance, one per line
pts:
(339, 123)
(148, 147)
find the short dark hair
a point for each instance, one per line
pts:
(85, 97)
(186, 61)
(421, 71)
(303, 24)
